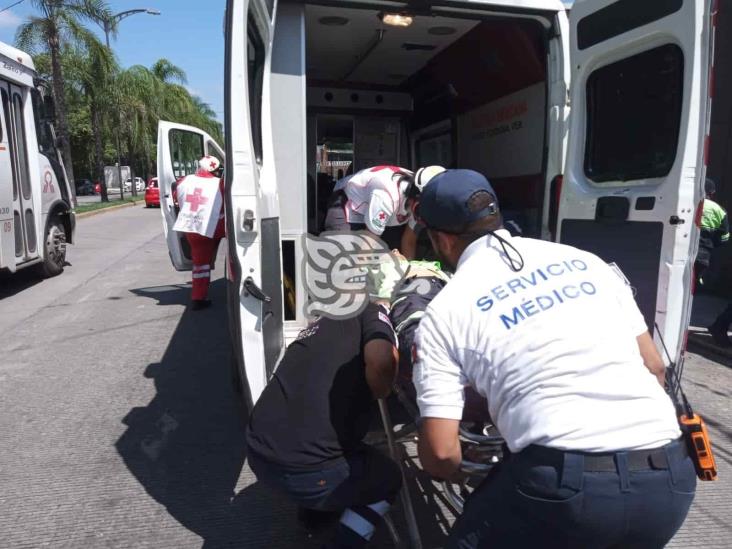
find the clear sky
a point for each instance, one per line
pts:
(190, 33)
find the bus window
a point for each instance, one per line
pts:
(46, 145)
(21, 146)
(255, 73)
(11, 145)
(634, 116)
(186, 149)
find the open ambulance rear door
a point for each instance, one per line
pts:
(252, 207)
(180, 147)
(636, 157)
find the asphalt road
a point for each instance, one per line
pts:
(119, 426)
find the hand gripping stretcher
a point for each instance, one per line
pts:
(482, 444)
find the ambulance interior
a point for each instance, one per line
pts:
(467, 91)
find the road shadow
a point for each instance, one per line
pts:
(703, 345)
(11, 284)
(176, 294)
(186, 446)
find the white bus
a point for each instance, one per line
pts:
(37, 219)
(591, 125)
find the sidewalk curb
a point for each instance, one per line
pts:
(706, 343)
(110, 208)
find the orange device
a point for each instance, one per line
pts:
(692, 425)
(700, 447)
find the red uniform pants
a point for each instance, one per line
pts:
(203, 250)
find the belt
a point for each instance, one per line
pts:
(637, 460)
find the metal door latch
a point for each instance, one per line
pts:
(248, 220)
(676, 220)
(255, 291)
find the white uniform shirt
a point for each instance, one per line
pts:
(374, 198)
(552, 347)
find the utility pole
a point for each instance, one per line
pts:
(108, 24)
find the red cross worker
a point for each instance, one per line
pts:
(201, 218)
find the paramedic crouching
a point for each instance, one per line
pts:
(305, 434)
(553, 339)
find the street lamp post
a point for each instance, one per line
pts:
(107, 24)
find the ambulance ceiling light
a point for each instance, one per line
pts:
(333, 21)
(401, 19)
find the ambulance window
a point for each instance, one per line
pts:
(634, 116)
(186, 149)
(289, 279)
(20, 142)
(621, 17)
(214, 151)
(255, 71)
(435, 149)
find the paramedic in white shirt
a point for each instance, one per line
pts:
(551, 336)
(374, 199)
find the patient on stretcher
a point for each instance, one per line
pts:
(422, 283)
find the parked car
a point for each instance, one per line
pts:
(139, 184)
(152, 193)
(84, 187)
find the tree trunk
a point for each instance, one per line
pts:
(62, 123)
(131, 161)
(98, 149)
(147, 164)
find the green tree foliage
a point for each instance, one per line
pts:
(59, 22)
(97, 101)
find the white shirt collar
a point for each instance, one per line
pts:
(482, 242)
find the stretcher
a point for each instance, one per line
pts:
(481, 442)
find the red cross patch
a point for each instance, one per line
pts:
(382, 216)
(196, 199)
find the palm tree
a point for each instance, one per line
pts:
(150, 95)
(59, 22)
(96, 69)
(168, 73)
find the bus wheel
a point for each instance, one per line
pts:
(55, 252)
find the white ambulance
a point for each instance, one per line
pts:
(36, 215)
(592, 126)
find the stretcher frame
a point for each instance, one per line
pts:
(454, 494)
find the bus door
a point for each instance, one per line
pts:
(252, 204)
(23, 226)
(635, 160)
(180, 147)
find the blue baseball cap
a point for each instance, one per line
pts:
(454, 199)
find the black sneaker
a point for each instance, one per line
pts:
(198, 304)
(719, 335)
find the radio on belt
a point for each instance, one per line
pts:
(692, 425)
